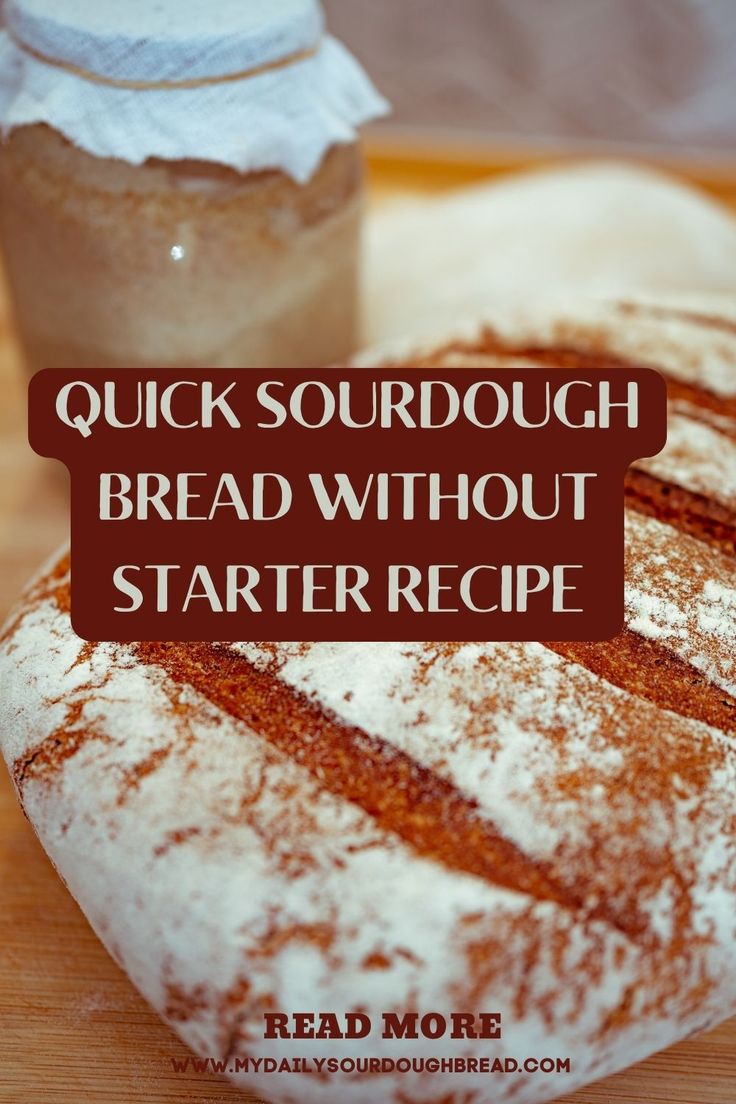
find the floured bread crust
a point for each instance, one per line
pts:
(545, 830)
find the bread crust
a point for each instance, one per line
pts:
(545, 829)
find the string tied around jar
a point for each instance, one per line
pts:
(256, 70)
(257, 85)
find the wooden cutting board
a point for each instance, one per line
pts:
(72, 1028)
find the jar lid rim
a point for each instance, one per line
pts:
(164, 40)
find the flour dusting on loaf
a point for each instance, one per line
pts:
(542, 829)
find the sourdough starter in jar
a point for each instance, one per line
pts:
(193, 198)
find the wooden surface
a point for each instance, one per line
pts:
(72, 1028)
(407, 163)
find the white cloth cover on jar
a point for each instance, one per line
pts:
(253, 85)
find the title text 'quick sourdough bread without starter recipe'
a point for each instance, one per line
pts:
(544, 831)
(180, 182)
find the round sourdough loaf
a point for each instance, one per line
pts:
(541, 830)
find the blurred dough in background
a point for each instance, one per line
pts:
(598, 228)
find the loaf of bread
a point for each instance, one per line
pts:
(591, 228)
(541, 830)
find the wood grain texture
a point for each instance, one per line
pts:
(72, 1028)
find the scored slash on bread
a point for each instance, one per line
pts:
(693, 481)
(543, 829)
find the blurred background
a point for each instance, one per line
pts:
(652, 75)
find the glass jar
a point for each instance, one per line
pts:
(178, 263)
(239, 246)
